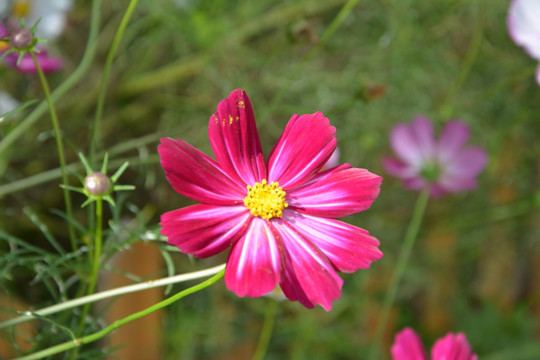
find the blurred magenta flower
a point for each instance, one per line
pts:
(26, 65)
(276, 215)
(408, 346)
(446, 164)
(524, 27)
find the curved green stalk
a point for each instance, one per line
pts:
(408, 243)
(76, 343)
(105, 76)
(59, 146)
(53, 309)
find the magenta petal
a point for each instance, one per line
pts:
(407, 346)
(453, 137)
(235, 140)
(195, 175)
(309, 276)
(467, 164)
(46, 62)
(305, 146)
(253, 267)
(454, 347)
(422, 129)
(204, 230)
(348, 247)
(338, 192)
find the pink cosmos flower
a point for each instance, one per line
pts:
(408, 346)
(524, 27)
(277, 215)
(446, 164)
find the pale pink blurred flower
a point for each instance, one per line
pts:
(277, 214)
(446, 165)
(333, 161)
(524, 27)
(408, 346)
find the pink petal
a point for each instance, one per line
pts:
(416, 183)
(195, 175)
(308, 275)
(235, 140)
(47, 63)
(338, 192)
(347, 247)
(407, 346)
(405, 145)
(453, 347)
(524, 26)
(453, 137)
(305, 146)
(253, 268)
(456, 184)
(423, 132)
(467, 164)
(204, 230)
(398, 169)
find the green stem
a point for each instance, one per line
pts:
(408, 243)
(59, 147)
(105, 76)
(266, 332)
(53, 309)
(96, 255)
(99, 334)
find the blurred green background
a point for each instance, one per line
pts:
(367, 67)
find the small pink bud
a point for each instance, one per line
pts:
(21, 38)
(97, 183)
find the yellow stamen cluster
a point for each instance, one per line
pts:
(265, 201)
(21, 8)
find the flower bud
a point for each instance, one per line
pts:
(21, 38)
(97, 183)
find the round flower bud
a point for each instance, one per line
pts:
(97, 183)
(21, 38)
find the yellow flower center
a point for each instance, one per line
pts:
(265, 201)
(21, 8)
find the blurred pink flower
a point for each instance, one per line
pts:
(446, 164)
(333, 161)
(524, 27)
(276, 215)
(408, 346)
(46, 62)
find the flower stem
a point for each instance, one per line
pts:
(99, 334)
(60, 148)
(408, 243)
(53, 309)
(105, 76)
(96, 255)
(266, 332)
